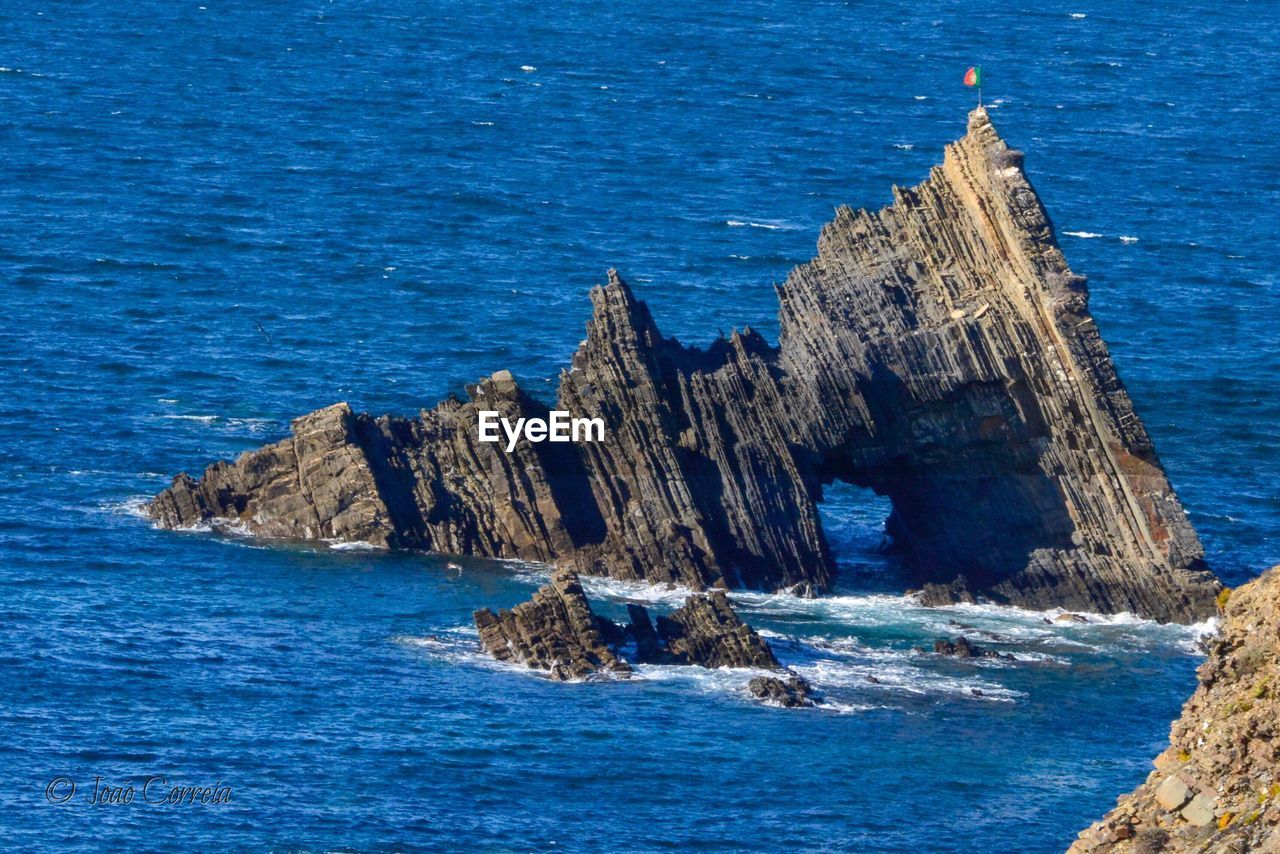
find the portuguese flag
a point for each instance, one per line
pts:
(973, 77)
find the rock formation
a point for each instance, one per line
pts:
(1216, 788)
(962, 647)
(791, 693)
(707, 632)
(557, 631)
(938, 351)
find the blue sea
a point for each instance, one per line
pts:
(216, 216)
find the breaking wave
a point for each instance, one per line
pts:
(775, 225)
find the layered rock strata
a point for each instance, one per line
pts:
(938, 351)
(706, 631)
(554, 631)
(1216, 788)
(695, 483)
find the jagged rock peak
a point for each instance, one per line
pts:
(978, 118)
(976, 392)
(1216, 787)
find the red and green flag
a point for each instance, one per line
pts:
(973, 77)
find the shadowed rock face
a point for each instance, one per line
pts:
(938, 351)
(1217, 786)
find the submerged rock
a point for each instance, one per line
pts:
(939, 351)
(555, 631)
(957, 590)
(790, 693)
(962, 647)
(1216, 788)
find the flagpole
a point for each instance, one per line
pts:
(973, 77)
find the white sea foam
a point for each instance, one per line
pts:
(354, 546)
(1031, 635)
(252, 425)
(459, 645)
(1128, 238)
(772, 226)
(528, 68)
(905, 146)
(847, 708)
(204, 419)
(731, 682)
(673, 595)
(1079, 16)
(859, 651)
(902, 679)
(131, 506)
(880, 610)
(1087, 235)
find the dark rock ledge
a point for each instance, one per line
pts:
(557, 631)
(938, 351)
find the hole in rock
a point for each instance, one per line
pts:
(853, 519)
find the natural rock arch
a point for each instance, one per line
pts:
(938, 351)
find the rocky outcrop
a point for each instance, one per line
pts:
(962, 647)
(1216, 788)
(555, 631)
(975, 390)
(791, 693)
(938, 351)
(695, 484)
(705, 631)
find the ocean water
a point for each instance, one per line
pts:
(217, 216)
